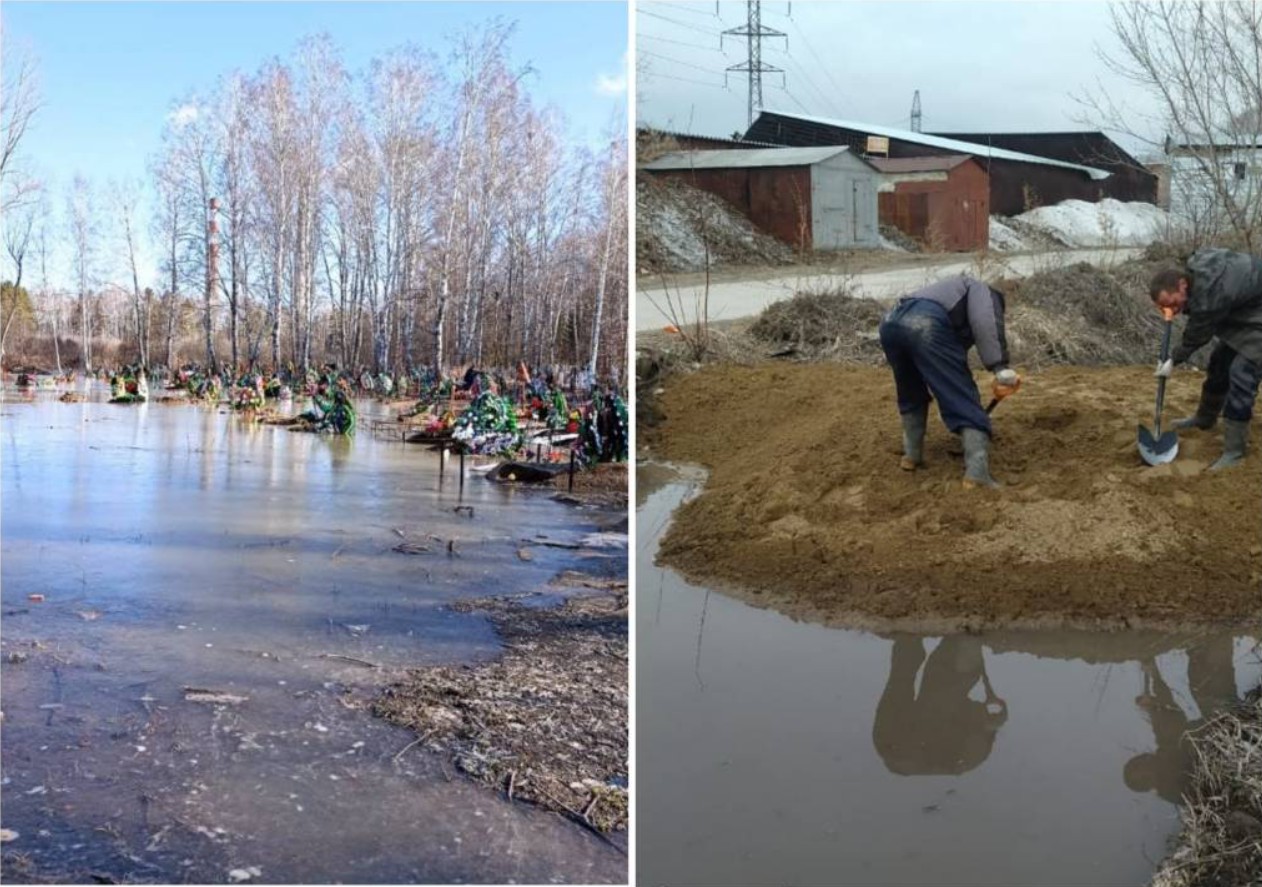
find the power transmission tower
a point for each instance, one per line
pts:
(915, 112)
(754, 32)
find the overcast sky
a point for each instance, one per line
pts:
(997, 66)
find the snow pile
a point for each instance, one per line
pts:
(1003, 238)
(674, 222)
(1077, 223)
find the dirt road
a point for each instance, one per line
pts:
(730, 298)
(806, 511)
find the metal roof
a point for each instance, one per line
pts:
(676, 134)
(939, 163)
(749, 157)
(919, 138)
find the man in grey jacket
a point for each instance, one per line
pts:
(1220, 291)
(926, 338)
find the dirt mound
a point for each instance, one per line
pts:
(676, 225)
(806, 510)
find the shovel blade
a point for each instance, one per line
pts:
(1158, 450)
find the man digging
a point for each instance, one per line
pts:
(926, 338)
(1221, 293)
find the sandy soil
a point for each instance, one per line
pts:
(806, 510)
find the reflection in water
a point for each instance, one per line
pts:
(941, 729)
(790, 762)
(1212, 681)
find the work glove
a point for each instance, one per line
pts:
(1007, 381)
(1165, 368)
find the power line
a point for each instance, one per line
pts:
(667, 58)
(818, 60)
(824, 98)
(679, 42)
(681, 7)
(675, 21)
(794, 99)
(685, 79)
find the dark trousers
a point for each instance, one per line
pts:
(930, 362)
(1233, 375)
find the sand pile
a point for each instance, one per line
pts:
(806, 510)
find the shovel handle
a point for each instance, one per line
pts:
(1165, 354)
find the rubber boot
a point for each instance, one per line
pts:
(1206, 414)
(914, 438)
(1235, 444)
(977, 459)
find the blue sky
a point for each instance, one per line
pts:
(111, 72)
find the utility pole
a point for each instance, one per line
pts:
(754, 32)
(915, 112)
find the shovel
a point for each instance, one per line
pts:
(1154, 447)
(999, 392)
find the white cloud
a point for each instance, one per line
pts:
(606, 85)
(614, 85)
(184, 115)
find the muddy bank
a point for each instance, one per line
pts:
(805, 509)
(547, 722)
(1221, 839)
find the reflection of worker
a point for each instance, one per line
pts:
(1221, 293)
(941, 730)
(1160, 770)
(1211, 678)
(926, 338)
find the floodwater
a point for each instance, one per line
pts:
(784, 753)
(179, 546)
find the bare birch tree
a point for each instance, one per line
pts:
(83, 231)
(1202, 63)
(19, 102)
(125, 200)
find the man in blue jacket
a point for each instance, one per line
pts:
(1220, 291)
(926, 338)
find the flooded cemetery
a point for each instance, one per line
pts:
(314, 348)
(236, 652)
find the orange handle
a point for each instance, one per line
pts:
(1002, 391)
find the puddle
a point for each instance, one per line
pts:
(779, 752)
(179, 547)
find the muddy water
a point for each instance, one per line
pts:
(779, 752)
(177, 547)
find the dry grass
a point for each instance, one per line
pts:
(1079, 316)
(1221, 840)
(545, 723)
(831, 325)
